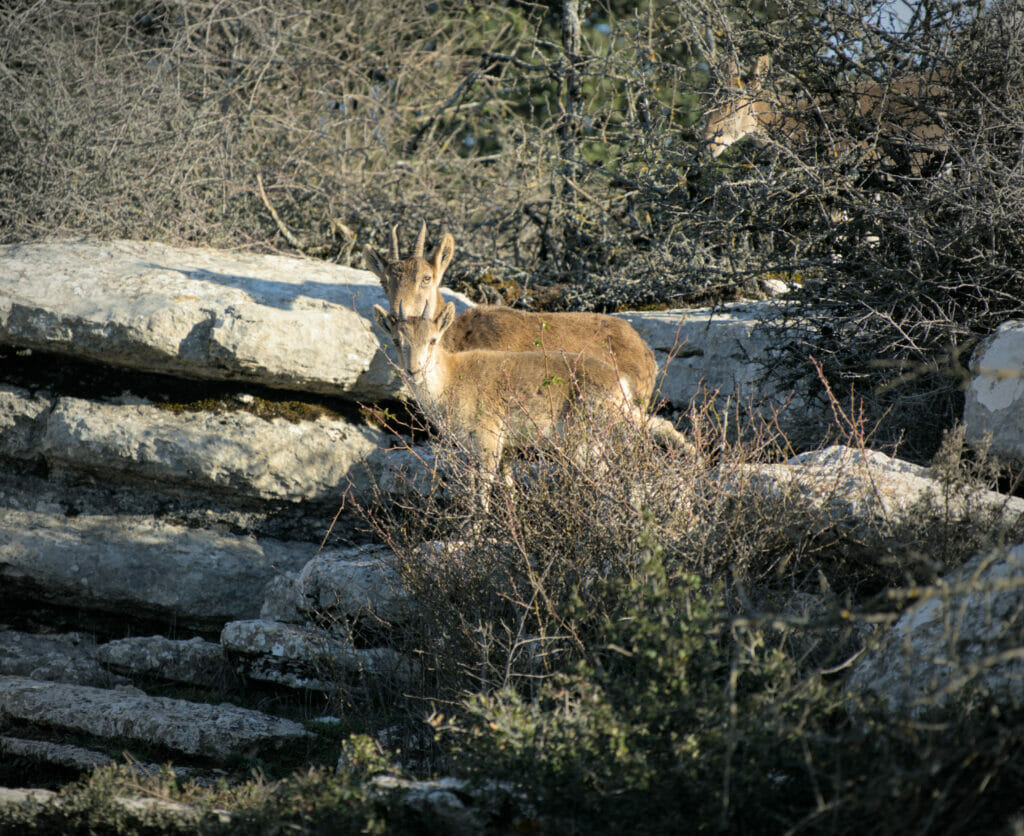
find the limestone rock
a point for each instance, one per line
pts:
(994, 401)
(61, 754)
(210, 731)
(135, 565)
(65, 657)
(307, 657)
(22, 419)
(966, 633)
(343, 584)
(25, 796)
(724, 349)
(195, 661)
(869, 487)
(233, 452)
(293, 323)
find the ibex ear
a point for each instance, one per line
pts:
(762, 67)
(443, 256)
(445, 319)
(384, 319)
(730, 71)
(375, 264)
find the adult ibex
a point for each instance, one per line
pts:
(494, 400)
(415, 284)
(896, 121)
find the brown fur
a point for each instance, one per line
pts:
(415, 284)
(492, 400)
(757, 113)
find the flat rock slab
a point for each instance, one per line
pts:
(135, 565)
(292, 323)
(867, 487)
(307, 657)
(62, 657)
(199, 729)
(22, 419)
(193, 661)
(340, 586)
(994, 401)
(60, 754)
(227, 452)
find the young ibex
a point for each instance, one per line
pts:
(415, 284)
(900, 114)
(495, 400)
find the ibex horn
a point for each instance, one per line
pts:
(394, 243)
(418, 253)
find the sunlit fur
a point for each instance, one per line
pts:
(415, 283)
(494, 400)
(758, 112)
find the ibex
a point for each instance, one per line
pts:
(899, 112)
(415, 284)
(495, 400)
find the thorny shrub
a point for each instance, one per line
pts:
(633, 635)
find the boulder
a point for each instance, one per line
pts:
(339, 586)
(994, 401)
(292, 323)
(210, 731)
(22, 421)
(60, 754)
(868, 487)
(963, 638)
(136, 566)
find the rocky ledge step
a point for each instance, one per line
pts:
(214, 732)
(232, 453)
(293, 323)
(133, 566)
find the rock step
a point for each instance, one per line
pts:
(308, 657)
(133, 565)
(232, 453)
(292, 323)
(208, 731)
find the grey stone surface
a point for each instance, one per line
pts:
(63, 657)
(210, 731)
(966, 633)
(300, 656)
(22, 419)
(135, 565)
(231, 452)
(994, 400)
(11, 795)
(338, 585)
(193, 661)
(293, 323)
(869, 487)
(725, 349)
(61, 754)
(31, 798)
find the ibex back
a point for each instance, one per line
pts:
(415, 284)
